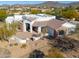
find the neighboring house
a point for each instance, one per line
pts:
(42, 24)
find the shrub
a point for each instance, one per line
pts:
(15, 44)
(54, 53)
(23, 46)
(36, 54)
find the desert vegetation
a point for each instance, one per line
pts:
(7, 30)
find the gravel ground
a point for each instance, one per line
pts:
(68, 46)
(4, 53)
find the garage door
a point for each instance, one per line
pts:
(50, 32)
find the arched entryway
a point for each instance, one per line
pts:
(27, 27)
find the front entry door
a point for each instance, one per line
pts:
(28, 27)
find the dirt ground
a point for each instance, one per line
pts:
(17, 51)
(74, 53)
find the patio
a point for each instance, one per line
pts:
(24, 37)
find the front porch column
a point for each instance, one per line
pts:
(24, 27)
(31, 28)
(67, 32)
(39, 29)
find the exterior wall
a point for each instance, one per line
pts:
(9, 19)
(24, 25)
(66, 30)
(20, 26)
(46, 18)
(18, 17)
(16, 40)
(39, 29)
(22, 41)
(70, 30)
(62, 28)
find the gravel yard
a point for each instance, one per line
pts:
(68, 47)
(16, 50)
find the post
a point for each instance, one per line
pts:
(31, 28)
(24, 27)
(67, 32)
(39, 29)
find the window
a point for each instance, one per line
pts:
(61, 32)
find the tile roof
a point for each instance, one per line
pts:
(40, 23)
(55, 24)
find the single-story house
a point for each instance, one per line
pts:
(43, 24)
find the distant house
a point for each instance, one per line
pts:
(42, 23)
